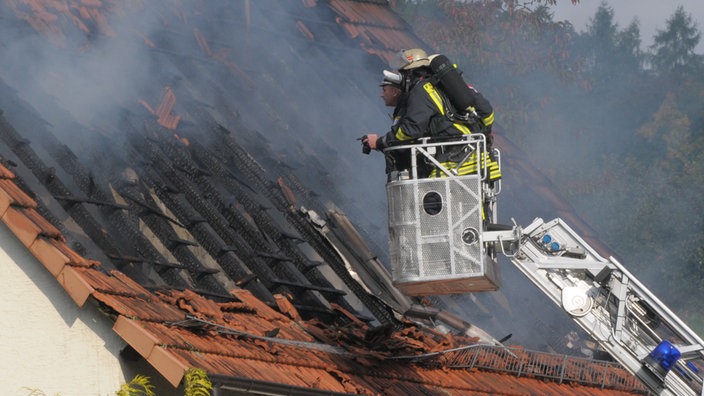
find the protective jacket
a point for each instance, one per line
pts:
(425, 112)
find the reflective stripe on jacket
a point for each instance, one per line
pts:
(493, 172)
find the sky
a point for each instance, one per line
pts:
(652, 14)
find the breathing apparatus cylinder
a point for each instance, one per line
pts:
(451, 83)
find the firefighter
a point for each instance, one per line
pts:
(393, 96)
(391, 89)
(425, 112)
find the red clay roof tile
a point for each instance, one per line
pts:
(284, 306)
(6, 173)
(49, 255)
(22, 226)
(169, 364)
(18, 197)
(76, 285)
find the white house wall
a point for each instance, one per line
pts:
(46, 342)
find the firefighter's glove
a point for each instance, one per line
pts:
(366, 149)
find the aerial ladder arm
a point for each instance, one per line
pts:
(443, 239)
(608, 303)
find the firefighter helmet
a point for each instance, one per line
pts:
(410, 59)
(391, 78)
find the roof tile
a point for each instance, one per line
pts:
(284, 305)
(5, 201)
(168, 364)
(75, 259)
(140, 339)
(6, 173)
(22, 226)
(75, 284)
(47, 229)
(52, 258)
(19, 198)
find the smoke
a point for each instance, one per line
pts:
(87, 76)
(253, 66)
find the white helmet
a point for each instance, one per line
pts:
(409, 59)
(391, 78)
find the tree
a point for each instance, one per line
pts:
(629, 56)
(602, 32)
(612, 55)
(670, 130)
(673, 48)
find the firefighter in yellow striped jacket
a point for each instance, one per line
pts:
(426, 112)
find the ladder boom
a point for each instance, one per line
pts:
(443, 239)
(610, 304)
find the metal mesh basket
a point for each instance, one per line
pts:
(435, 229)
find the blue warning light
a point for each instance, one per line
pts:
(665, 354)
(550, 244)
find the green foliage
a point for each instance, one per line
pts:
(602, 29)
(673, 49)
(138, 386)
(197, 383)
(628, 54)
(670, 128)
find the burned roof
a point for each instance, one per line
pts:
(242, 341)
(183, 165)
